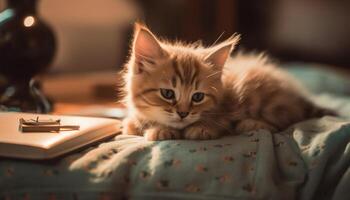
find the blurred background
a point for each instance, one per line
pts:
(93, 35)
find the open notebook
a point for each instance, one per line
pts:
(45, 145)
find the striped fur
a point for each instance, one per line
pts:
(246, 93)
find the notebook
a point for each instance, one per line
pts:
(46, 145)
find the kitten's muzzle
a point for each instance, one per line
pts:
(183, 114)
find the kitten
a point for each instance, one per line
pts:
(174, 90)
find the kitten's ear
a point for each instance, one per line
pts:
(222, 51)
(146, 47)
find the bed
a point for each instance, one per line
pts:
(309, 160)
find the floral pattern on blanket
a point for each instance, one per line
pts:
(212, 167)
(307, 161)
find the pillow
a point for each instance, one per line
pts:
(318, 79)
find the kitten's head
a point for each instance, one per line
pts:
(173, 84)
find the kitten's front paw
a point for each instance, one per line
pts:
(158, 133)
(200, 133)
(248, 125)
(129, 127)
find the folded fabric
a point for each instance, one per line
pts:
(308, 161)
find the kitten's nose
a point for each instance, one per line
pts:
(183, 114)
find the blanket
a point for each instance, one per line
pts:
(310, 160)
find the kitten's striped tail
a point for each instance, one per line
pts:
(317, 111)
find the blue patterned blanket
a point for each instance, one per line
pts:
(308, 161)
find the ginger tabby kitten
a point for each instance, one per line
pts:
(174, 91)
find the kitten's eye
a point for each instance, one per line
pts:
(198, 97)
(167, 93)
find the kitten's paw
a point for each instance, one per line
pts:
(200, 133)
(248, 125)
(129, 127)
(157, 133)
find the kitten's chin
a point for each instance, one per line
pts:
(156, 116)
(179, 124)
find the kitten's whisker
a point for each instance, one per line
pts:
(218, 38)
(213, 74)
(214, 88)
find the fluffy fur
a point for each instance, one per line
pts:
(240, 93)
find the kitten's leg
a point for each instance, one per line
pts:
(200, 131)
(161, 133)
(129, 127)
(247, 125)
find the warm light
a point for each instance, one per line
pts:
(29, 21)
